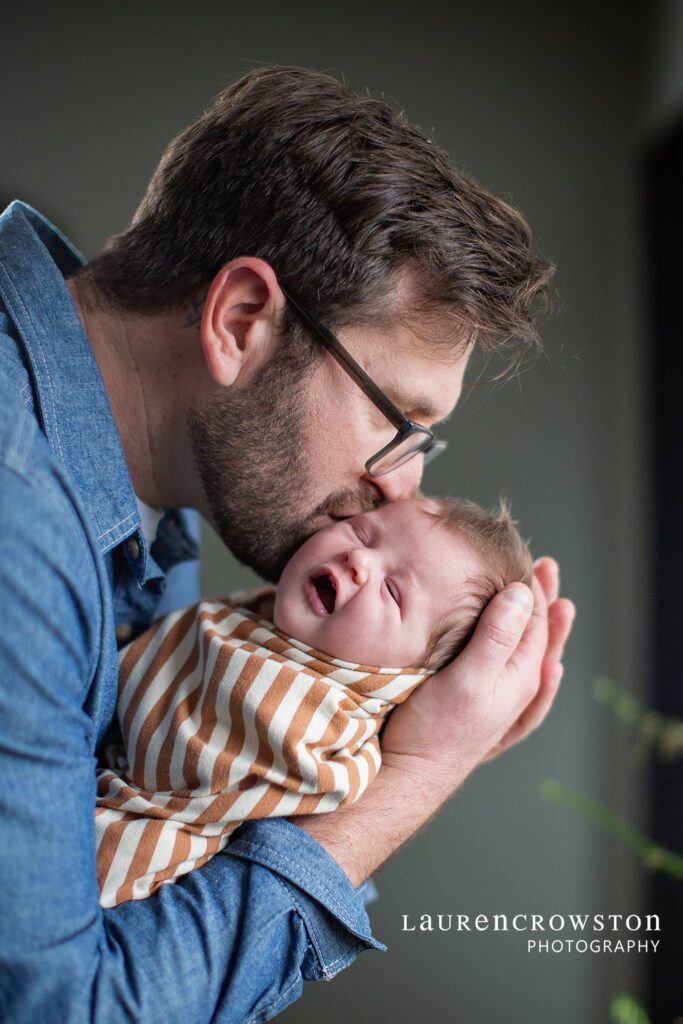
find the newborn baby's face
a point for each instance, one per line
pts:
(373, 588)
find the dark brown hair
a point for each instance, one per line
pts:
(340, 195)
(505, 558)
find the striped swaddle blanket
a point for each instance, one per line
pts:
(225, 718)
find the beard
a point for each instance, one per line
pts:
(249, 445)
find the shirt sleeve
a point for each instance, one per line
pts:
(231, 942)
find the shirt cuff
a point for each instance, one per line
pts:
(332, 910)
(368, 891)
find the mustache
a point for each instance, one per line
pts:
(342, 504)
(349, 502)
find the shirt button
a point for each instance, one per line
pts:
(124, 632)
(133, 548)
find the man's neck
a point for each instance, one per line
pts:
(149, 366)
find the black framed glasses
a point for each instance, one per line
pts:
(411, 438)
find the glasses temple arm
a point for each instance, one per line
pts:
(346, 360)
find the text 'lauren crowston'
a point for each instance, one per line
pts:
(591, 929)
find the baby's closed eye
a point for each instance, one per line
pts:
(393, 590)
(360, 534)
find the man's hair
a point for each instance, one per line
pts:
(505, 558)
(341, 195)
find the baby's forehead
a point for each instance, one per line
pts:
(415, 509)
(423, 533)
(447, 547)
(429, 505)
(407, 519)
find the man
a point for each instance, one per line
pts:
(190, 365)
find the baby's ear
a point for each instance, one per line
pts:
(448, 646)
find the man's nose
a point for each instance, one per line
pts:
(358, 564)
(400, 483)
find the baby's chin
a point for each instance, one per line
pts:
(293, 616)
(284, 614)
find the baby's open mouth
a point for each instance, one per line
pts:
(326, 589)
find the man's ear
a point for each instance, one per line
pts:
(240, 321)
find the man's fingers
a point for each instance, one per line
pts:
(560, 618)
(530, 651)
(561, 615)
(497, 634)
(535, 712)
(547, 572)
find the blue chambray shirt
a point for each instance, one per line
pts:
(230, 942)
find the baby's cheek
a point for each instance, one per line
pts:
(292, 618)
(284, 611)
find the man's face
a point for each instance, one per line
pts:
(284, 454)
(373, 588)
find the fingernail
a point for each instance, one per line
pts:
(519, 596)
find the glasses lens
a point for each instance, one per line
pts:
(436, 449)
(397, 454)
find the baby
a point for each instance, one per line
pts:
(226, 716)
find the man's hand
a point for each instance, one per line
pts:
(560, 614)
(494, 693)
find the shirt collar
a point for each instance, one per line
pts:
(72, 402)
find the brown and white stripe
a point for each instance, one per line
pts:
(225, 718)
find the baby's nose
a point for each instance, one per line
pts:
(358, 566)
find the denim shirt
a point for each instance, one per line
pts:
(232, 941)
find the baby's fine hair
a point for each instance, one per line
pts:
(505, 558)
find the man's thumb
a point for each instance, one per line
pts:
(498, 631)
